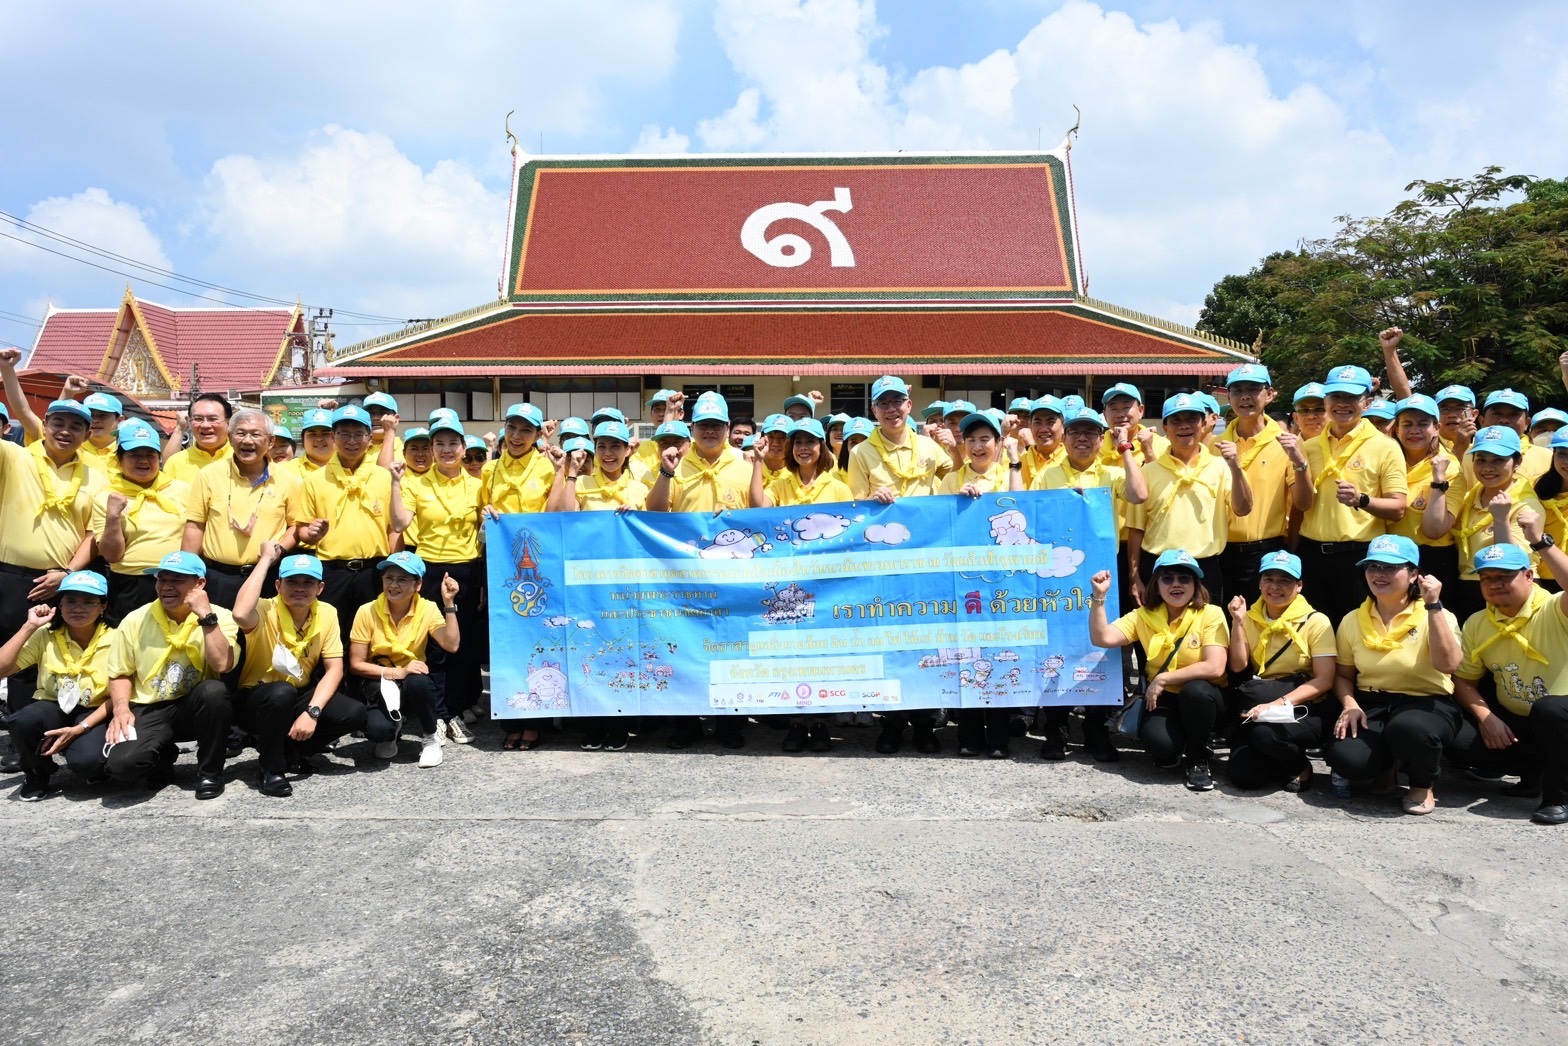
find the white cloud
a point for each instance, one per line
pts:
(91, 216)
(655, 139)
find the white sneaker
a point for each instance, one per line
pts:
(440, 734)
(386, 750)
(429, 751)
(459, 733)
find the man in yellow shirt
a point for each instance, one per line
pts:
(98, 450)
(165, 682)
(1276, 469)
(1512, 409)
(1045, 420)
(288, 696)
(1123, 403)
(138, 519)
(207, 421)
(895, 461)
(664, 405)
(346, 517)
(385, 447)
(519, 480)
(1359, 484)
(236, 506)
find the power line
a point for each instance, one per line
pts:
(24, 319)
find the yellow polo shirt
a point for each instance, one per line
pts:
(1366, 458)
(1062, 476)
(1109, 455)
(224, 501)
(186, 463)
(1035, 462)
(32, 535)
(1270, 475)
(1209, 629)
(514, 484)
(1405, 670)
(446, 515)
(992, 481)
(1315, 629)
(700, 487)
(598, 493)
(1556, 524)
(1418, 478)
(1521, 679)
(825, 489)
(153, 521)
(1189, 514)
(138, 654)
(915, 467)
(107, 459)
(1472, 529)
(407, 640)
(356, 505)
(43, 649)
(325, 643)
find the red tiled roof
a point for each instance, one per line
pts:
(74, 341)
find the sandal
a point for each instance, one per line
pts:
(1419, 806)
(513, 743)
(528, 744)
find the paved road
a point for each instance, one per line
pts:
(754, 897)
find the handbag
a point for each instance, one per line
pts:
(1130, 719)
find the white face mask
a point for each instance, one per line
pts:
(68, 694)
(287, 665)
(392, 697)
(1281, 714)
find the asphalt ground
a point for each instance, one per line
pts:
(757, 897)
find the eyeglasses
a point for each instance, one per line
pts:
(890, 402)
(1375, 567)
(1310, 412)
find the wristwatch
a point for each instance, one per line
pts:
(1015, 465)
(209, 621)
(1363, 502)
(314, 711)
(448, 610)
(1547, 541)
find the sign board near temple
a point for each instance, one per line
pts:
(782, 228)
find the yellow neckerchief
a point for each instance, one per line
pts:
(1287, 626)
(1089, 478)
(992, 481)
(513, 472)
(392, 638)
(53, 499)
(803, 494)
(1269, 433)
(1466, 530)
(886, 450)
(438, 479)
(1190, 475)
(295, 640)
(1057, 456)
(77, 667)
(1164, 638)
(1513, 627)
(138, 495)
(1420, 474)
(182, 636)
(710, 473)
(1375, 637)
(770, 474)
(1109, 455)
(614, 489)
(352, 485)
(1334, 464)
(1555, 509)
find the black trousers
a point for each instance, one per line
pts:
(458, 675)
(419, 705)
(128, 592)
(15, 583)
(84, 755)
(268, 712)
(1266, 754)
(224, 582)
(203, 716)
(1239, 566)
(1413, 729)
(1549, 734)
(350, 584)
(1330, 579)
(1213, 579)
(983, 727)
(1182, 723)
(1095, 728)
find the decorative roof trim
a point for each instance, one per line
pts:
(116, 346)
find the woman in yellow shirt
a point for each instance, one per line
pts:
(1552, 491)
(1416, 429)
(1396, 653)
(1287, 650)
(855, 433)
(139, 519)
(807, 476)
(68, 714)
(1185, 645)
(991, 463)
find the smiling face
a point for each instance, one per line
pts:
(773, 448)
(1278, 589)
(806, 450)
(282, 450)
(1508, 417)
(352, 440)
(172, 590)
(521, 435)
(1083, 443)
(1311, 417)
(1184, 428)
(318, 444)
(250, 441)
(891, 410)
(300, 591)
(1047, 428)
(1123, 410)
(710, 437)
(1390, 581)
(80, 610)
(101, 432)
(1344, 411)
(1494, 471)
(448, 448)
(1416, 432)
(1248, 399)
(140, 466)
(980, 444)
(739, 430)
(1176, 587)
(399, 586)
(63, 433)
(209, 426)
(611, 454)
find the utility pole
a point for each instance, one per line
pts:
(319, 337)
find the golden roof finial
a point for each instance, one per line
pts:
(509, 135)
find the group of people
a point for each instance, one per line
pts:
(1295, 586)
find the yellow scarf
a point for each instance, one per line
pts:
(1375, 637)
(53, 499)
(398, 641)
(297, 642)
(1286, 626)
(1467, 528)
(1334, 464)
(89, 663)
(1109, 455)
(992, 481)
(799, 493)
(511, 474)
(1268, 434)
(1189, 475)
(353, 486)
(1513, 627)
(887, 452)
(1557, 523)
(614, 489)
(182, 637)
(1163, 637)
(138, 495)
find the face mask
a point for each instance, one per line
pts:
(286, 664)
(1281, 714)
(392, 697)
(68, 693)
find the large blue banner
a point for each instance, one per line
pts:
(931, 602)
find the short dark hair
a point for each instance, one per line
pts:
(228, 408)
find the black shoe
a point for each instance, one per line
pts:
(890, 741)
(34, 787)
(1300, 784)
(999, 752)
(1017, 726)
(1551, 815)
(592, 742)
(732, 737)
(10, 762)
(271, 784)
(1525, 789)
(1105, 752)
(795, 739)
(615, 741)
(821, 740)
(301, 767)
(238, 741)
(209, 786)
(1168, 764)
(926, 742)
(684, 734)
(1054, 750)
(1486, 776)
(968, 748)
(1199, 779)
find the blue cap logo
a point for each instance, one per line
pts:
(1182, 403)
(1496, 439)
(1455, 392)
(1282, 561)
(1048, 403)
(72, 408)
(1312, 390)
(87, 582)
(382, 400)
(136, 434)
(528, 412)
(1121, 388)
(672, 429)
(187, 563)
(316, 419)
(1507, 398)
(616, 430)
(352, 414)
(1084, 415)
(1354, 380)
(1253, 372)
(1502, 557)
(103, 403)
(405, 561)
(888, 383)
(710, 406)
(1418, 403)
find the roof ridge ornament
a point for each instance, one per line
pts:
(1072, 132)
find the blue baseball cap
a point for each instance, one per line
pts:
(959, 407)
(439, 413)
(672, 429)
(136, 434)
(607, 414)
(188, 563)
(354, 415)
(575, 427)
(283, 432)
(612, 429)
(1020, 404)
(315, 419)
(1351, 379)
(1496, 439)
(70, 407)
(798, 400)
(1048, 403)
(474, 443)
(382, 400)
(1255, 372)
(406, 561)
(1093, 417)
(1559, 439)
(662, 396)
(1071, 403)
(87, 582)
(1507, 398)
(1281, 561)
(888, 383)
(1312, 390)
(1210, 404)
(747, 442)
(294, 566)
(1419, 403)
(577, 443)
(103, 403)
(810, 426)
(1182, 403)
(859, 427)
(1391, 548)
(1456, 392)
(1177, 557)
(1380, 408)
(413, 435)
(838, 419)
(1547, 414)
(529, 413)
(992, 419)
(776, 423)
(710, 406)
(5, 412)
(447, 423)
(1496, 557)
(934, 407)
(1121, 388)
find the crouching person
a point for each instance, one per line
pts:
(386, 654)
(164, 680)
(293, 639)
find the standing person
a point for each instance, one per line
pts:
(385, 447)
(386, 655)
(292, 671)
(1380, 412)
(345, 517)
(855, 433)
(1082, 470)
(165, 681)
(1285, 654)
(1416, 430)
(444, 506)
(773, 447)
(138, 519)
(1193, 493)
(1552, 491)
(1521, 641)
(519, 480)
(1277, 473)
(418, 458)
(1395, 655)
(207, 422)
(1309, 411)
(809, 477)
(663, 406)
(1045, 419)
(800, 406)
(1359, 480)
(68, 713)
(239, 504)
(1187, 644)
(283, 445)
(742, 429)
(98, 449)
(835, 432)
(1509, 409)
(476, 455)
(896, 462)
(316, 440)
(1123, 403)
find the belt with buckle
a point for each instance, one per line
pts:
(355, 565)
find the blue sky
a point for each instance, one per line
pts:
(352, 154)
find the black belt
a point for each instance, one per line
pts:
(356, 565)
(230, 568)
(1246, 546)
(1335, 548)
(12, 568)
